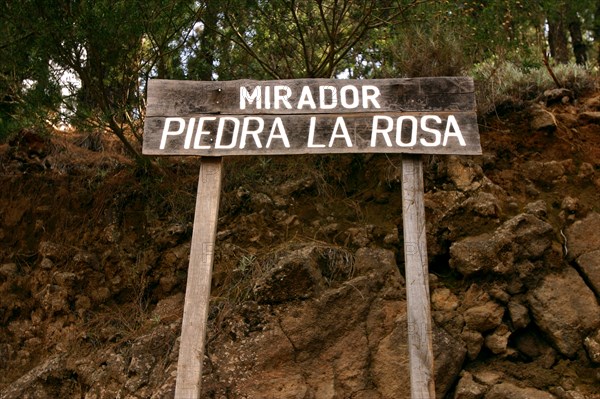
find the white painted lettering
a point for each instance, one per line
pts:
(452, 123)
(267, 93)
(306, 98)
(201, 132)
(254, 133)
(281, 95)
(370, 94)
(344, 97)
(311, 134)
(221, 129)
(332, 97)
(413, 135)
(278, 126)
(340, 124)
(435, 132)
(167, 132)
(190, 133)
(384, 132)
(246, 96)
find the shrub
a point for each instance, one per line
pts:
(504, 84)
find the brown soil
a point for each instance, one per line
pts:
(93, 251)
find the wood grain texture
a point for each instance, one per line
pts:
(197, 293)
(441, 97)
(420, 347)
(189, 98)
(297, 127)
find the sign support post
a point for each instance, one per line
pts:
(310, 116)
(197, 292)
(420, 347)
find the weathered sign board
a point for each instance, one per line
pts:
(310, 116)
(322, 116)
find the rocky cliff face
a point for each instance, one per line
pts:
(308, 290)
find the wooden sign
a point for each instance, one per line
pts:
(421, 116)
(215, 119)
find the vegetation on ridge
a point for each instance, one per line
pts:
(84, 63)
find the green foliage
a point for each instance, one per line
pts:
(504, 83)
(29, 87)
(414, 51)
(295, 39)
(113, 47)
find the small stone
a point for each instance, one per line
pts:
(392, 238)
(570, 204)
(463, 176)
(487, 377)
(592, 347)
(467, 388)
(46, 264)
(541, 119)
(499, 294)
(49, 250)
(519, 314)
(537, 208)
(8, 270)
(497, 342)
(473, 341)
(444, 299)
(485, 317)
(592, 103)
(544, 172)
(561, 95)
(82, 303)
(586, 170)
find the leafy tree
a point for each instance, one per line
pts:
(115, 46)
(112, 47)
(294, 38)
(29, 87)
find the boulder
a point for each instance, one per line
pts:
(463, 174)
(582, 236)
(507, 390)
(449, 355)
(295, 276)
(477, 254)
(348, 341)
(565, 309)
(589, 264)
(519, 241)
(547, 173)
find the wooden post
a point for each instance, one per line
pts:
(197, 293)
(247, 117)
(420, 348)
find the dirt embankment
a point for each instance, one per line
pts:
(308, 288)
